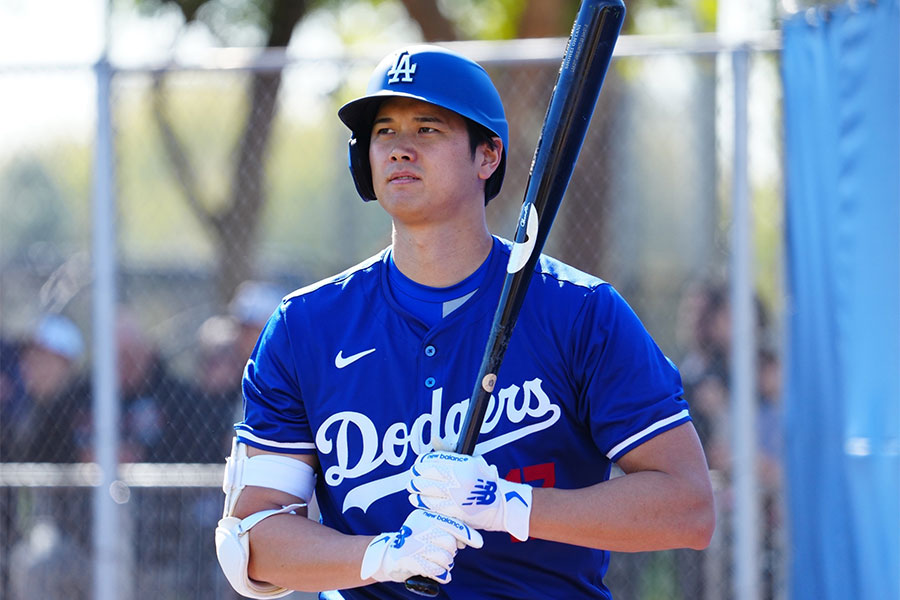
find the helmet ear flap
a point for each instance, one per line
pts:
(360, 169)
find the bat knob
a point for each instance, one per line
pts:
(423, 586)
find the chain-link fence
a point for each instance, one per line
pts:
(232, 189)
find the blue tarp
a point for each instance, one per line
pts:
(841, 72)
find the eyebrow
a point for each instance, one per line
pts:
(421, 119)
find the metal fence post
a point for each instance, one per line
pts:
(105, 405)
(743, 350)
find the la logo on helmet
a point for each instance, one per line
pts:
(403, 70)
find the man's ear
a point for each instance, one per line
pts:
(489, 158)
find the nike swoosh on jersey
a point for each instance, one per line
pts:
(341, 361)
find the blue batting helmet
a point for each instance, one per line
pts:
(431, 74)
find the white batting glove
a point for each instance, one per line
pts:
(469, 489)
(425, 545)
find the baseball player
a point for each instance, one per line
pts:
(358, 385)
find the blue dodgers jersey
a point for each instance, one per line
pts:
(343, 371)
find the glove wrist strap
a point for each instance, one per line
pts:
(372, 559)
(517, 508)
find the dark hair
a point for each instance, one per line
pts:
(478, 135)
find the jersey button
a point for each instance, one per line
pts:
(430, 350)
(429, 383)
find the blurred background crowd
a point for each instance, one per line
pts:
(45, 387)
(46, 416)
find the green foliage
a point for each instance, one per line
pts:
(232, 22)
(705, 14)
(485, 19)
(41, 206)
(376, 22)
(246, 22)
(662, 16)
(236, 22)
(768, 210)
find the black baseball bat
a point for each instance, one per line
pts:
(584, 65)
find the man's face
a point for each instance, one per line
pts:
(422, 165)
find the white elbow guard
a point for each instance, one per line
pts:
(233, 552)
(232, 543)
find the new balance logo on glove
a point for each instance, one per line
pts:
(404, 533)
(484, 492)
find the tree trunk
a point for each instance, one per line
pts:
(547, 18)
(435, 26)
(235, 227)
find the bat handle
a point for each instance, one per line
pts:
(423, 586)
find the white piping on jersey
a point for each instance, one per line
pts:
(366, 264)
(645, 432)
(243, 433)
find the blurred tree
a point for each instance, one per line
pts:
(234, 222)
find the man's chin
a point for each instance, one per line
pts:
(402, 201)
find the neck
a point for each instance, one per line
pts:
(440, 257)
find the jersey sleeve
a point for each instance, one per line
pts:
(632, 392)
(274, 417)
